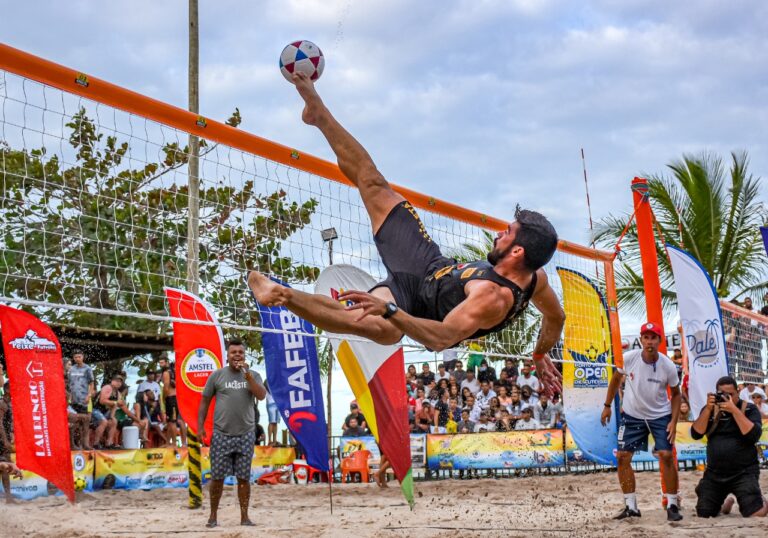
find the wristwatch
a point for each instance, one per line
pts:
(391, 311)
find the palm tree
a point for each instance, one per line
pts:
(711, 212)
(520, 336)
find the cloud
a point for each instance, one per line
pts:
(484, 103)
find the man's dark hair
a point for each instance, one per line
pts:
(234, 342)
(78, 352)
(727, 380)
(537, 236)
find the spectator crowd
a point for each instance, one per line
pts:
(97, 418)
(478, 399)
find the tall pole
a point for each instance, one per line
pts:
(330, 407)
(194, 458)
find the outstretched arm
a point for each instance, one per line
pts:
(546, 301)
(479, 310)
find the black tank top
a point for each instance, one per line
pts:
(100, 406)
(443, 290)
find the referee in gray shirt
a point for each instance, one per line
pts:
(234, 387)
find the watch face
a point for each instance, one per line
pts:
(391, 309)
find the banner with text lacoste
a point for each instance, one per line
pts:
(199, 350)
(293, 374)
(36, 374)
(702, 326)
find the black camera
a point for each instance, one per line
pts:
(721, 397)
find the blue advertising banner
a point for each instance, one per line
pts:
(764, 231)
(293, 374)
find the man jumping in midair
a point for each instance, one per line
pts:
(427, 296)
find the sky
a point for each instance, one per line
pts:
(485, 103)
(479, 102)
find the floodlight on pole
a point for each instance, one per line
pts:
(328, 235)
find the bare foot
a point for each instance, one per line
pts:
(728, 505)
(314, 105)
(266, 291)
(381, 481)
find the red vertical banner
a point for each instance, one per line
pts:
(649, 259)
(36, 375)
(199, 349)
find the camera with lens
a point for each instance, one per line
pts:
(721, 397)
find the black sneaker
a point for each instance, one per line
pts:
(627, 512)
(673, 513)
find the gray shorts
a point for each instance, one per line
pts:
(231, 455)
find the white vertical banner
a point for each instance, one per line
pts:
(702, 326)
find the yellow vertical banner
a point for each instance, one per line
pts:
(588, 365)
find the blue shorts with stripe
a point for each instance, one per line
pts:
(633, 433)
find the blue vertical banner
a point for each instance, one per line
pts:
(764, 231)
(293, 373)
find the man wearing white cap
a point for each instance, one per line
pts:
(646, 410)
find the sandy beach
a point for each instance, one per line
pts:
(571, 505)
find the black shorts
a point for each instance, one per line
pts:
(712, 491)
(171, 409)
(232, 455)
(409, 255)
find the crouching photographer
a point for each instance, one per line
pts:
(732, 427)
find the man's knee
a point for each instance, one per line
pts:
(665, 456)
(707, 511)
(624, 457)
(370, 177)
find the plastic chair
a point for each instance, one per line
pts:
(322, 476)
(357, 462)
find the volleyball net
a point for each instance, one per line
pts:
(94, 218)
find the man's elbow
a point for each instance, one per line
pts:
(439, 347)
(558, 318)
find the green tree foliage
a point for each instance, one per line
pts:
(520, 336)
(710, 211)
(102, 235)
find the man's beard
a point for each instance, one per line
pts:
(496, 255)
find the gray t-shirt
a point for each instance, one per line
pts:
(234, 413)
(79, 378)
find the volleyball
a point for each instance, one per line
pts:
(302, 56)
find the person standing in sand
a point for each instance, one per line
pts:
(234, 387)
(645, 410)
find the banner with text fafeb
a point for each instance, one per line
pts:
(293, 375)
(36, 375)
(199, 348)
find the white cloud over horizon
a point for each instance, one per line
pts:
(484, 103)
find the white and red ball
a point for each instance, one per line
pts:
(302, 56)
